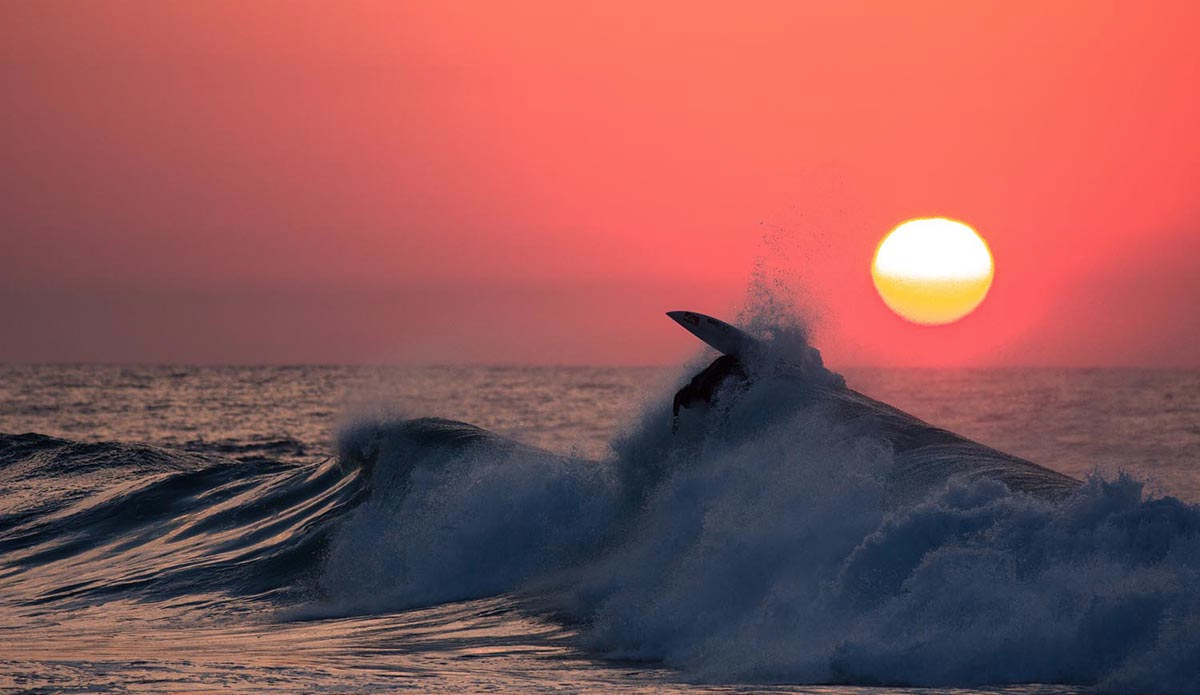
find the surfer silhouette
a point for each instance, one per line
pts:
(704, 386)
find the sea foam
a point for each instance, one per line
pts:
(767, 542)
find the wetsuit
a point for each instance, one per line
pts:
(704, 385)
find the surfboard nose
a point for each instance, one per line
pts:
(723, 337)
(687, 319)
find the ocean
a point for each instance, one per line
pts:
(336, 529)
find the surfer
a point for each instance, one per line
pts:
(704, 386)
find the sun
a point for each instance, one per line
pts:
(932, 271)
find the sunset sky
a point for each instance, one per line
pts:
(538, 182)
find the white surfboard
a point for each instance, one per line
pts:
(723, 337)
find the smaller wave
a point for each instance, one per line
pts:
(82, 522)
(261, 448)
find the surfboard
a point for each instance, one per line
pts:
(723, 337)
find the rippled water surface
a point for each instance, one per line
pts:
(1146, 421)
(283, 529)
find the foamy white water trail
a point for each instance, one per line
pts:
(798, 534)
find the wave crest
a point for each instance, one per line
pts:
(797, 532)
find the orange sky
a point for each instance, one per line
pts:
(538, 182)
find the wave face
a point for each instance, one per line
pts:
(796, 531)
(83, 523)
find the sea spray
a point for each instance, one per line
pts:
(767, 542)
(795, 531)
(456, 512)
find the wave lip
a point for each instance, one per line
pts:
(456, 512)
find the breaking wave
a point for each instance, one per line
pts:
(796, 531)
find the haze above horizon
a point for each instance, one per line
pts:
(201, 182)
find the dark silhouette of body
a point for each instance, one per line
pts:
(704, 386)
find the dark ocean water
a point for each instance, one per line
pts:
(331, 529)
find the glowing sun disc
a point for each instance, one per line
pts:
(932, 271)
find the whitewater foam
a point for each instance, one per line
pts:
(796, 531)
(772, 542)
